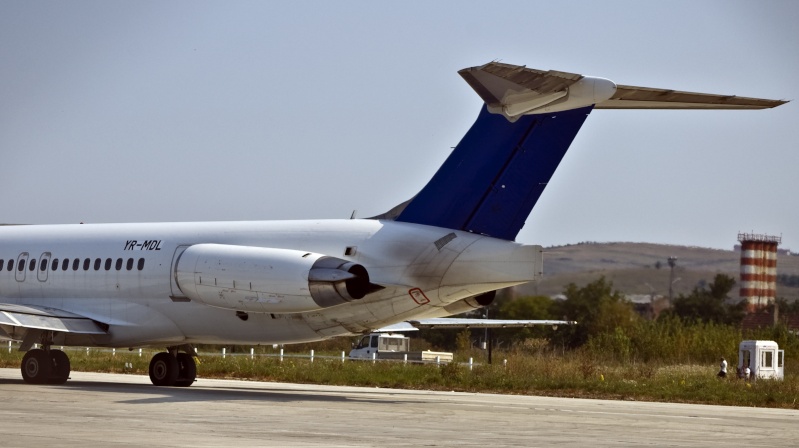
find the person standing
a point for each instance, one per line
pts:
(723, 372)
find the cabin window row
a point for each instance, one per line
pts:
(75, 264)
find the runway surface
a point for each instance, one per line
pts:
(110, 410)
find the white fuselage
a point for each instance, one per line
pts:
(123, 275)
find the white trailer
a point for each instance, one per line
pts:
(393, 346)
(764, 359)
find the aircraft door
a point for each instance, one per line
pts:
(22, 264)
(44, 266)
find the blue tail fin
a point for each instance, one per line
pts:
(492, 180)
(494, 177)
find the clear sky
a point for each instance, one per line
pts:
(204, 111)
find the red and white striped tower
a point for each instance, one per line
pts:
(758, 269)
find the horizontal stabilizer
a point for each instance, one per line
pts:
(496, 83)
(513, 90)
(631, 97)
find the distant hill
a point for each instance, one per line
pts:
(633, 268)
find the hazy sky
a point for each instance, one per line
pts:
(193, 111)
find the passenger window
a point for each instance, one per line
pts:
(107, 264)
(75, 264)
(86, 263)
(10, 265)
(2, 262)
(140, 265)
(119, 264)
(65, 264)
(55, 265)
(43, 266)
(129, 265)
(97, 262)
(21, 266)
(32, 265)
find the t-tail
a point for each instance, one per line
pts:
(494, 177)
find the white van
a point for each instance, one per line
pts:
(393, 346)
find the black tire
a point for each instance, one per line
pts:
(187, 370)
(61, 367)
(36, 366)
(163, 369)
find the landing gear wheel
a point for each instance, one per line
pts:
(36, 366)
(61, 367)
(187, 370)
(164, 369)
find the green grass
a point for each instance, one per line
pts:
(573, 374)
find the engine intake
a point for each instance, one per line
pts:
(268, 280)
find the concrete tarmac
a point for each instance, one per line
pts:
(111, 410)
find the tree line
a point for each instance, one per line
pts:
(699, 326)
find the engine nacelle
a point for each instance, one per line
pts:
(267, 280)
(471, 303)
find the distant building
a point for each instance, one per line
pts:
(765, 318)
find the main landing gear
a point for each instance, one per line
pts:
(50, 366)
(172, 368)
(45, 365)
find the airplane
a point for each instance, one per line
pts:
(443, 252)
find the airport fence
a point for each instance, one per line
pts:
(280, 355)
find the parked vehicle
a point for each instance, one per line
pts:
(393, 346)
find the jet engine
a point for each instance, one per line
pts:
(268, 280)
(470, 303)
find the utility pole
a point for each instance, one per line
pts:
(672, 263)
(488, 337)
